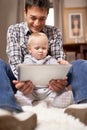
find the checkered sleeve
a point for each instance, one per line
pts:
(55, 42)
(13, 49)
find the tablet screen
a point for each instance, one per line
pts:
(42, 74)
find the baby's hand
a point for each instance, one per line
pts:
(63, 62)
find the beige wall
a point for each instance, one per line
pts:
(8, 16)
(8, 12)
(75, 3)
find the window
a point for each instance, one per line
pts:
(50, 18)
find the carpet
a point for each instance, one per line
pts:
(54, 118)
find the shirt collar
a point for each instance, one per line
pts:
(44, 30)
(28, 32)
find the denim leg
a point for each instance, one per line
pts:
(78, 80)
(7, 89)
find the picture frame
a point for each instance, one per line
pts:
(75, 22)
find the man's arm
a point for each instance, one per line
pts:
(55, 42)
(13, 48)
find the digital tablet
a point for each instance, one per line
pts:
(42, 74)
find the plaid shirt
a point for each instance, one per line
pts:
(17, 37)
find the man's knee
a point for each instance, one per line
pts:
(2, 62)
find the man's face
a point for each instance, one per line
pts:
(36, 18)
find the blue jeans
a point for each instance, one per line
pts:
(7, 89)
(77, 77)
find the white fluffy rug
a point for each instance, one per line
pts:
(54, 119)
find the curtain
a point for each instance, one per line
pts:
(20, 10)
(58, 13)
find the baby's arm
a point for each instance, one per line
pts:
(63, 62)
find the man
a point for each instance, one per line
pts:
(36, 12)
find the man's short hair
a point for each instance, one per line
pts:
(40, 3)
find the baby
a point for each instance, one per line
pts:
(38, 49)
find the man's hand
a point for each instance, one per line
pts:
(58, 85)
(25, 87)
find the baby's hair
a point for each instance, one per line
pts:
(34, 36)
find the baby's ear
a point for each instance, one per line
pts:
(30, 51)
(29, 48)
(48, 47)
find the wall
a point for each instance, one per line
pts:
(75, 3)
(8, 12)
(72, 4)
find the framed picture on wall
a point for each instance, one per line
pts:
(75, 25)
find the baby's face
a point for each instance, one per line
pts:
(39, 48)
